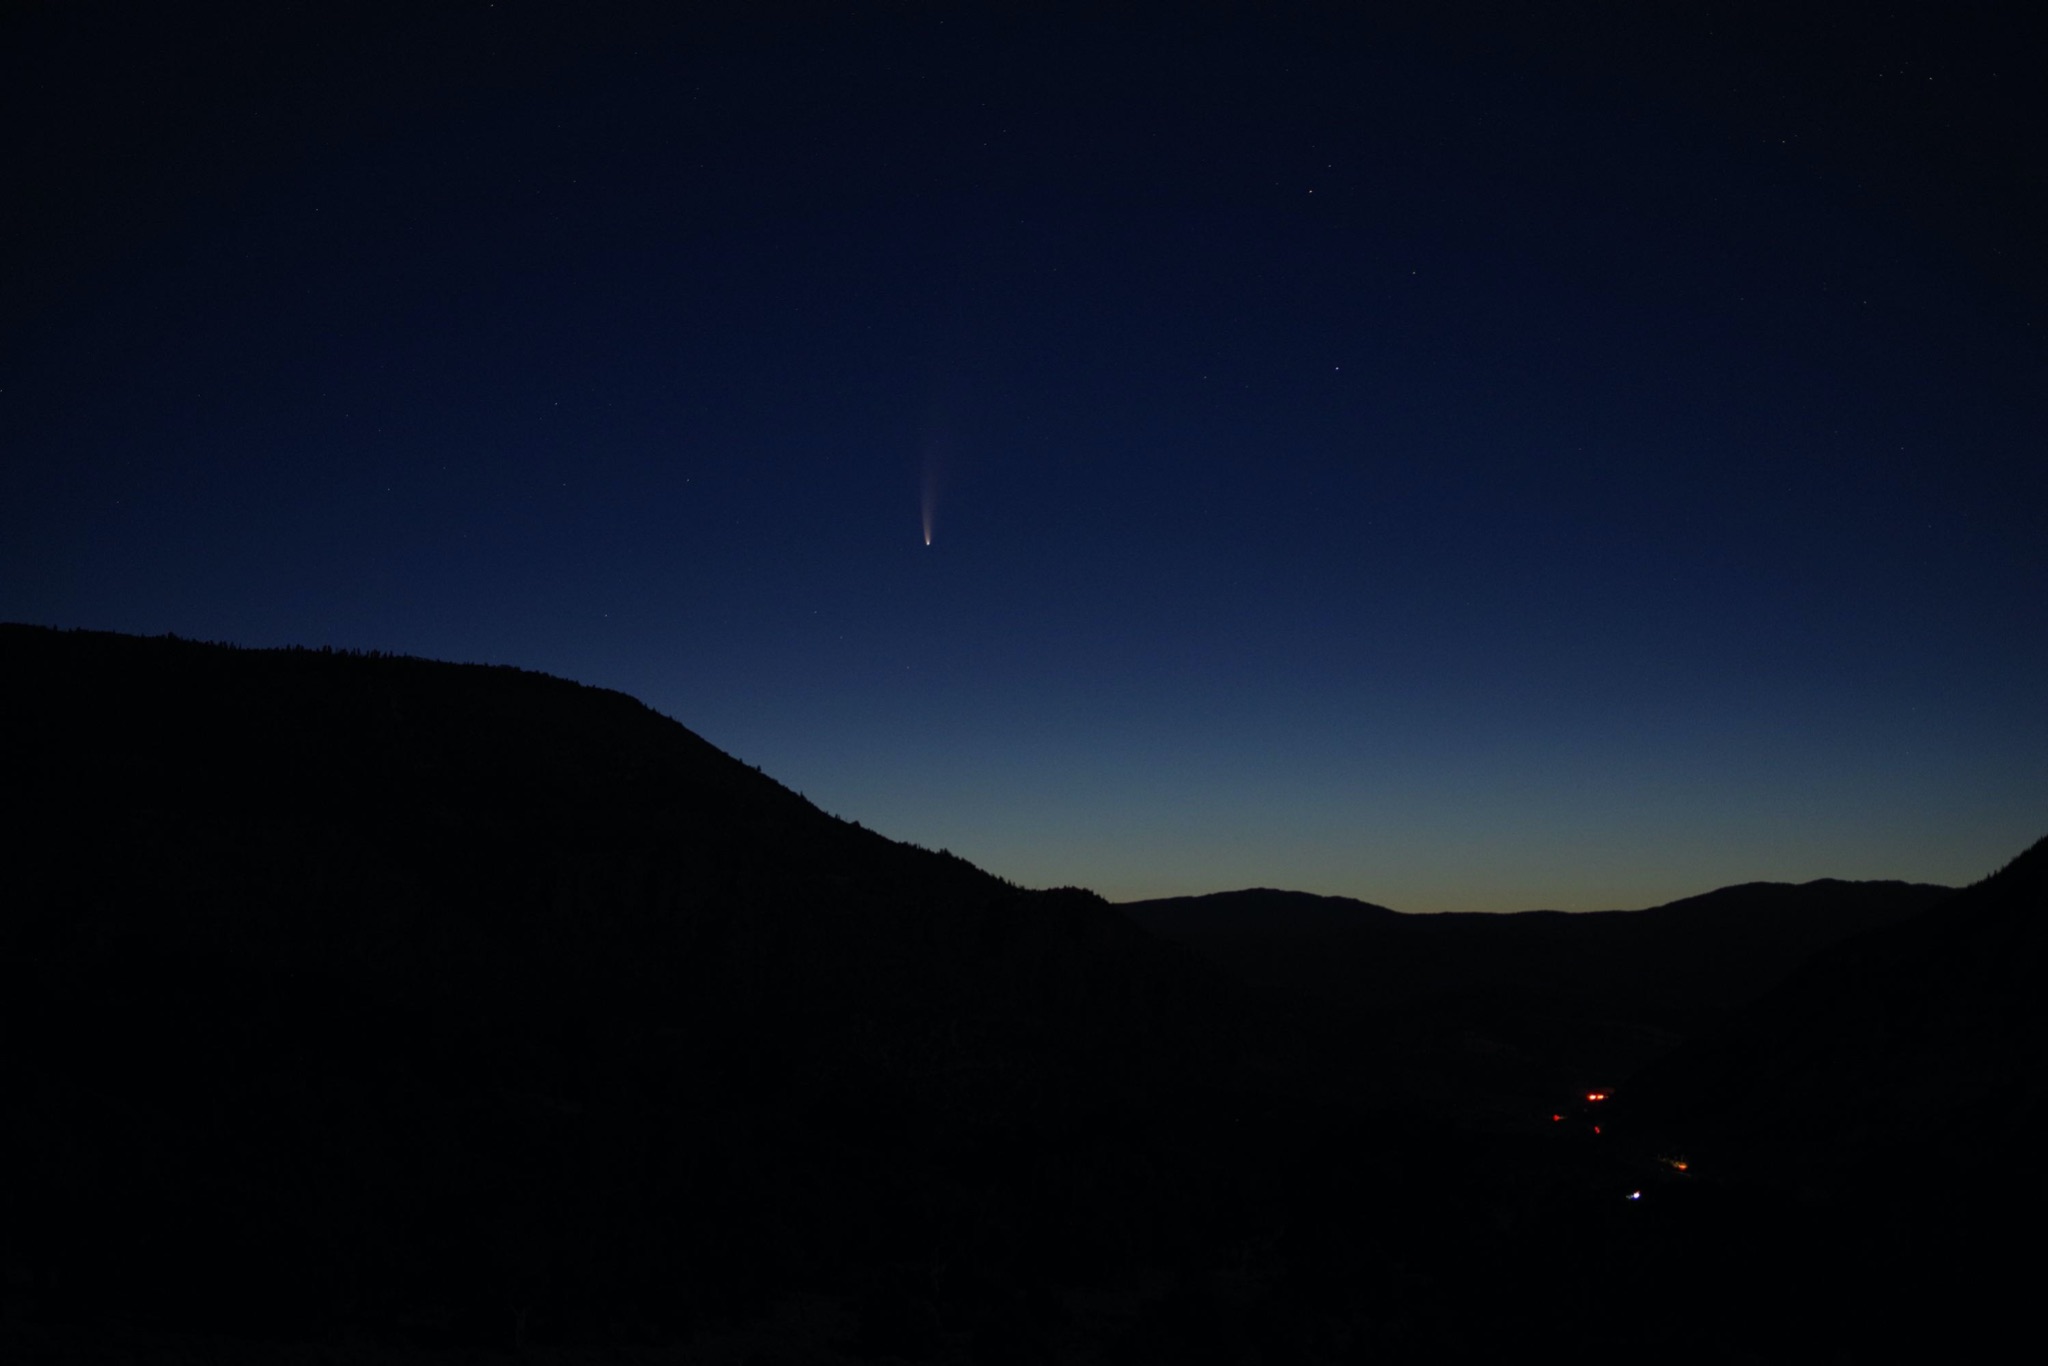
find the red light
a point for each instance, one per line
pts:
(1557, 1119)
(1596, 1128)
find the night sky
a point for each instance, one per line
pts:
(1523, 456)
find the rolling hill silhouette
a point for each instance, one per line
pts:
(399, 1007)
(1921, 1044)
(442, 996)
(1893, 1088)
(1503, 1010)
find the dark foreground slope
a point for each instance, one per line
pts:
(1917, 1049)
(368, 991)
(369, 1008)
(368, 999)
(1873, 1123)
(1504, 1010)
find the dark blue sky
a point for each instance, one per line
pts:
(1519, 457)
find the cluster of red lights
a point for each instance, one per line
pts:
(1677, 1164)
(1594, 1097)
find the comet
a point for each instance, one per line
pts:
(934, 454)
(936, 442)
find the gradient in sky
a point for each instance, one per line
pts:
(1495, 460)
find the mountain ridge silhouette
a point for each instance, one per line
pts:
(1577, 999)
(442, 910)
(1926, 1033)
(355, 998)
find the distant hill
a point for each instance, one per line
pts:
(1255, 913)
(1920, 1045)
(1879, 1112)
(1515, 1006)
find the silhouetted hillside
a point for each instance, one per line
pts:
(1871, 1123)
(1505, 1009)
(357, 989)
(1254, 914)
(357, 1007)
(1923, 1044)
